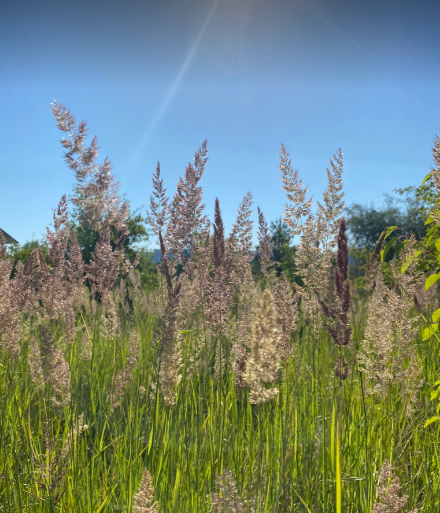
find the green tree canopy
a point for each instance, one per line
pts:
(283, 249)
(366, 222)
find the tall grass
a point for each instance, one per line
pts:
(128, 440)
(284, 454)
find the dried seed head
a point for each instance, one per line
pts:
(286, 309)
(263, 363)
(56, 369)
(158, 215)
(389, 496)
(97, 189)
(227, 498)
(265, 249)
(143, 500)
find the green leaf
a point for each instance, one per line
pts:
(431, 420)
(431, 280)
(437, 244)
(390, 230)
(427, 332)
(387, 247)
(434, 394)
(427, 177)
(436, 316)
(429, 220)
(338, 475)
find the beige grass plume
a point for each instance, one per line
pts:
(318, 232)
(143, 500)
(263, 363)
(48, 366)
(388, 356)
(226, 499)
(10, 331)
(389, 494)
(97, 191)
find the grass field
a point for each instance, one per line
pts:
(216, 391)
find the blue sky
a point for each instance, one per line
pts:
(154, 79)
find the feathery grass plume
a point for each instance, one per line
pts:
(61, 290)
(378, 343)
(10, 331)
(297, 210)
(389, 495)
(226, 499)
(388, 355)
(35, 363)
(97, 190)
(435, 171)
(143, 500)
(58, 239)
(121, 380)
(158, 214)
(56, 369)
(165, 266)
(74, 268)
(187, 225)
(265, 248)
(407, 366)
(215, 277)
(31, 282)
(263, 363)
(106, 263)
(339, 328)
(110, 322)
(219, 236)
(240, 243)
(52, 293)
(248, 302)
(329, 211)
(286, 309)
(318, 233)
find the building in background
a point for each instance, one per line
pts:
(8, 238)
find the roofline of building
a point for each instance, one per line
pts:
(8, 238)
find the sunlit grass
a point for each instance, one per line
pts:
(284, 455)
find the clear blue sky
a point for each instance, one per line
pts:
(154, 79)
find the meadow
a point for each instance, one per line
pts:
(218, 390)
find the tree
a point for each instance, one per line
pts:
(366, 223)
(283, 250)
(134, 243)
(21, 252)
